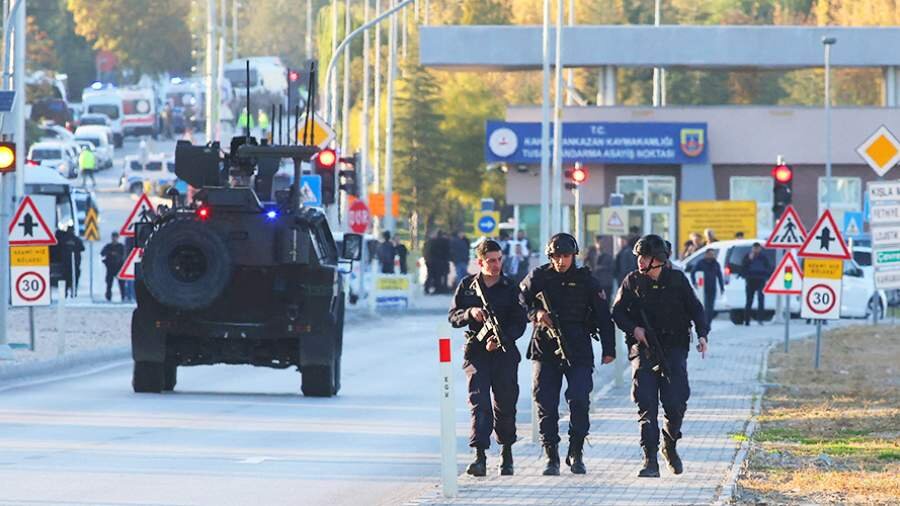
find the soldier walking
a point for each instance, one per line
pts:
(578, 313)
(492, 364)
(655, 307)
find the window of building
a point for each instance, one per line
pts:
(846, 195)
(649, 203)
(758, 189)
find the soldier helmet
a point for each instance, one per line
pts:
(562, 244)
(652, 245)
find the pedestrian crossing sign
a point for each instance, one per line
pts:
(143, 212)
(853, 223)
(789, 231)
(787, 278)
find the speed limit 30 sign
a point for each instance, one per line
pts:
(30, 275)
(821, 295)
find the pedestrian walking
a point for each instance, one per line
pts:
(88, 164)
(655, 307)
(564, 302)
(431, 268)
(459, 255)
(402, 254)
(625, 259)
(517, 266)
(113, 255)
(709, 236)
(386, 253)
(491, 364)
(601, 265)
(755, 268)
(442, 262)
(709, 267)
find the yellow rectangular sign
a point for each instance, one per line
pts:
(819, 268)
(724, 217)
(392, 283)
(25, 256)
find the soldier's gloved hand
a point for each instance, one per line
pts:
(477, 313)
(639, 336)
(543, 318)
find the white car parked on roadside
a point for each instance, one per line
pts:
(98, 137)
(56, 155)
(858, 295)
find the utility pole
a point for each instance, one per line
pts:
(389, 127)
(18, 112)
(212, 90)
(234, 29)
(376, 112)
(309, 30)
(345, 110)
(659, 73)
(570, 77)
(363, 184)
(331, 83)
(557, 173)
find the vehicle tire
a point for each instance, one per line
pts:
(136, 189)
(148, 377)
(171, 376)
(317, 381)
(186, 265)
(736, 316)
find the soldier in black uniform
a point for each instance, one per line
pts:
(659, 298)
(577, 299)
(488, 366)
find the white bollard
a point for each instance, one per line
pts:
(60, 319)
(448, 420)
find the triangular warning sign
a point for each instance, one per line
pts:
(615, 221)
(825, 241)
(143, 212)
(28, 227)
(787, 278)
(788, 232)
(127, 270)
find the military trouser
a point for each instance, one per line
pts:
(648, 389)
(498, 373)
(548, 378)
(709, 305)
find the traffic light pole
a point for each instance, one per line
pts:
(579, 223)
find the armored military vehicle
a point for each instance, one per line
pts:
(240, 275)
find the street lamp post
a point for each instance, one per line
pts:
(828, 42)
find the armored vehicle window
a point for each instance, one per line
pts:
(323, 243)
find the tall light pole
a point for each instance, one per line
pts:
(659, 73)
(309, 30)
(345, 109)
(556, 174)
(376, 109)
(570, 77)
(828, 42)
(234, 30)
(212, 59)
(389, 128)
(545, 129)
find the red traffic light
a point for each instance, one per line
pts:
(783, 174)
(326, 158)
(579, 175)
(293, 75)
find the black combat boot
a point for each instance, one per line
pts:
(673, 461)
(506, 461)
(552, 467)
(651, 466)
(575, 460)
(478, 467)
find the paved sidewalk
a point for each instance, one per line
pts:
(724, 388)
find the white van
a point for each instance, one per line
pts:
(858, 297)
(268, 78)
(139, 112)
(106, 100)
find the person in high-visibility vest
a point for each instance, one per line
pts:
(263, 121)
(88, 163)
(245, 120)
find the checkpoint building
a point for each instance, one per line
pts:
(657, 157)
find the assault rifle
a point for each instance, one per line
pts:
(655, 352)
(554, 331)
(491, 329)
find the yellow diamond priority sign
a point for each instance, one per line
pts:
(881, 151)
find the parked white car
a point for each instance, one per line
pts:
(858, 294)
(56, 155)
(98, 138)
(156, 177)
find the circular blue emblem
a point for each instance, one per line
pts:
(487, 224)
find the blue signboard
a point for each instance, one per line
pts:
(625, 143)
(6, 100)
(853, 224)
(487, 224)
(311, 190)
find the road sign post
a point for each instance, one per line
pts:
(91, 234)
(448, 419)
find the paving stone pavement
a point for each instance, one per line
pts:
(724, 387)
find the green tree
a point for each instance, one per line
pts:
(73, 54)
(420, 156)
(146, 40)
(486, 12)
